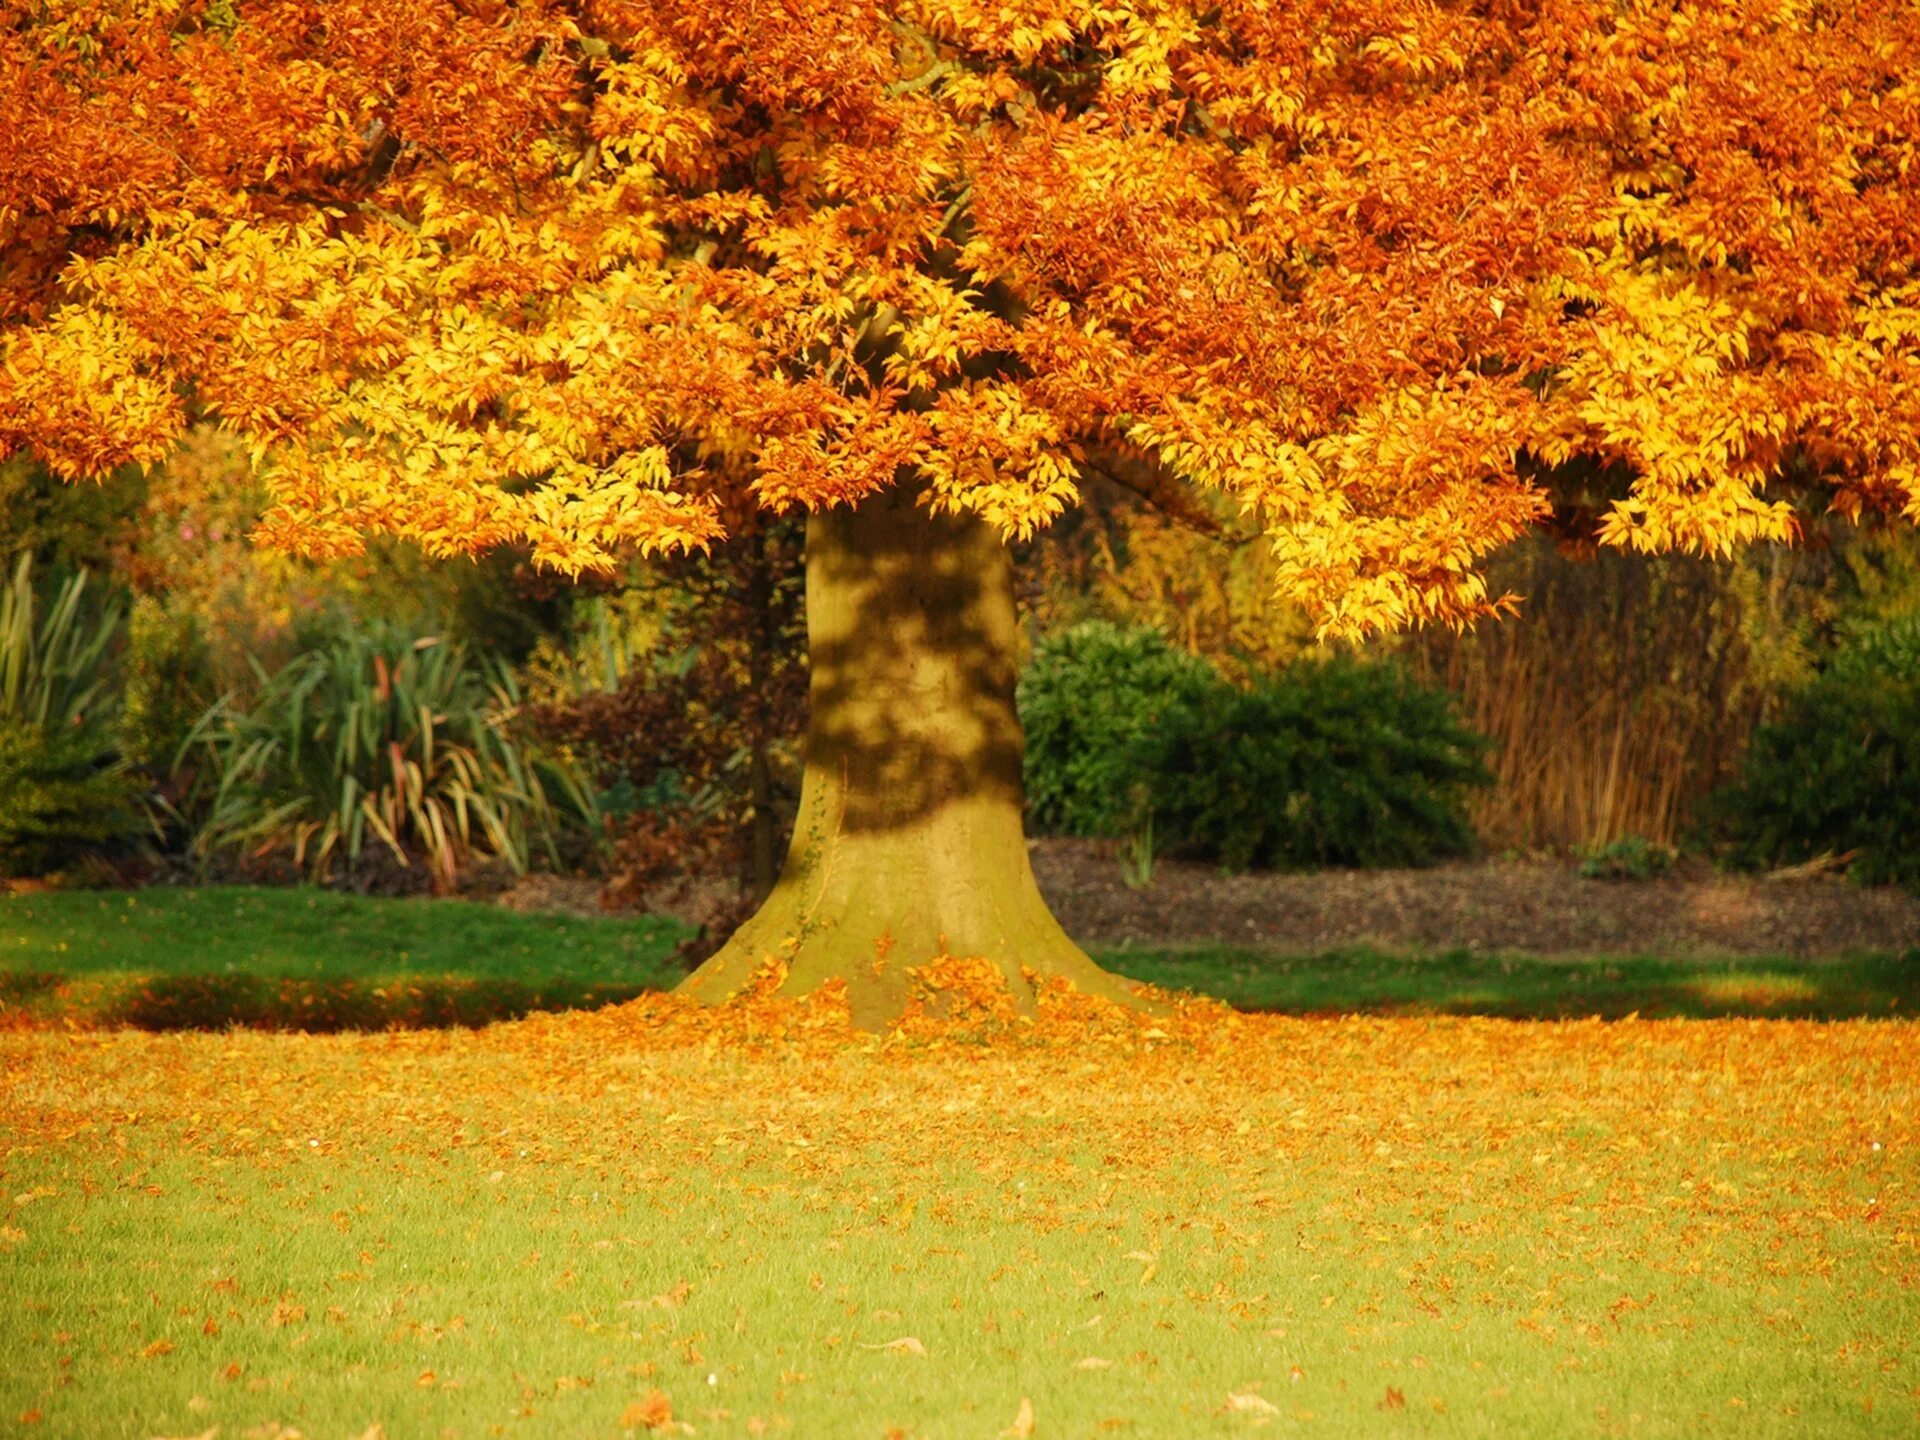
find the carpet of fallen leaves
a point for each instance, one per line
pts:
(1633, 1161)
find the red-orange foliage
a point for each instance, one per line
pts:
(485, 271)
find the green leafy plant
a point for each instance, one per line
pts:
(1138, 850)
(1838, 770)
(383, 743)
(1333, 762)
(1632, 857)
(1088, 698)
(65, 789)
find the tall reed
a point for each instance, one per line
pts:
(1620, 696)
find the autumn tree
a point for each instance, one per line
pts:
(1377, 271)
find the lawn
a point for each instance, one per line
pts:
(316, 960)
(645, 1220)
(654, 1219)
(305, 958)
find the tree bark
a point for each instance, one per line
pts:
(908, 844)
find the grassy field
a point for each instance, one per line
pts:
(648, 1220)
(315, 960)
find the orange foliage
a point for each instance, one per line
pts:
(476, 273)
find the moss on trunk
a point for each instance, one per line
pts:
(908, 843)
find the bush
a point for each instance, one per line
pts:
(65, 790)
(687, 695)
(1632, 857)
(1088, 699)
(1839, 770)
(167, 683)
(383, 740)
(1330, 762)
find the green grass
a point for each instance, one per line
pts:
(305, 933)
(1462, 982)
(313, 959)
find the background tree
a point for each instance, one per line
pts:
(1375, 270)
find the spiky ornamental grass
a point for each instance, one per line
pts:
(65, 789)
(385, 741)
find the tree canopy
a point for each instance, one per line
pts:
(1379, 270)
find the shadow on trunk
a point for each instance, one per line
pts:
(908, 842)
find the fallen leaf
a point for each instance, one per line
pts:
(1093, 1362)
(1022, 1427)
(672, 1298)
(905, 1345)
(1394, 1400)
(156, 1347)
(653, 1410)
(211, 1433)
(1250, 1404)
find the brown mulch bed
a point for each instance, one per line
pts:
(1540, 907)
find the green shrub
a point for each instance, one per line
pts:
(65, 790)
(1087, 699)
(1632, 857)
(384, 743)
(1839, 770)
(168, 683)
(1330, 762)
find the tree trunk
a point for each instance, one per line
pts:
(908, 843)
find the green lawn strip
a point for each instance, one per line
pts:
(305, 959)
(1462, 982)
(313, 959)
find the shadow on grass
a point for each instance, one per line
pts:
(1347, 982)
(24, 987)
(1367, 982)
(218, 1002)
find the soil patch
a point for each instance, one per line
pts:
(1536, 907)
(1539, 907)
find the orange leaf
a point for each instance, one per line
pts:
(653, 1410)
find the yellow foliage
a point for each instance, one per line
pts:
(1362, 270)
